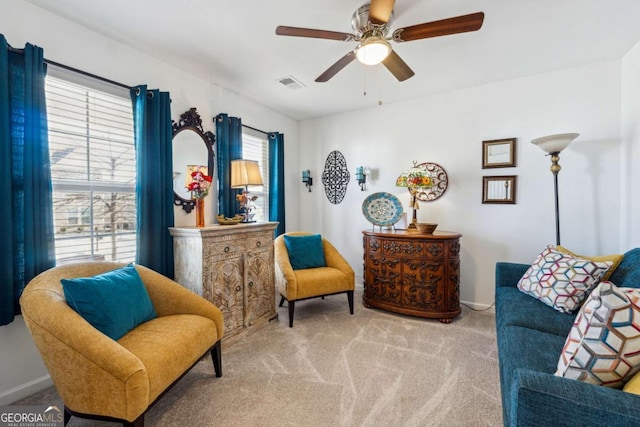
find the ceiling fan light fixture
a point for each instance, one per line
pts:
(373, 50)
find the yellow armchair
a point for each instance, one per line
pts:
(296, 285)
(100, 378)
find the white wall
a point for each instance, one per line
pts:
(448, 129)
(630, 156)
(21, 369)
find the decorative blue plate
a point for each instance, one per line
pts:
(382, 209)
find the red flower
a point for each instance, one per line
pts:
(200, 185)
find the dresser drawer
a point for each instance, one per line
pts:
(403, 248)
(238, 243)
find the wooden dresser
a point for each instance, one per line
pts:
(413, 273)
(232, 266)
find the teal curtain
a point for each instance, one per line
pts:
(154, 186)
(26, 211)
(276, 181)
(229, 146)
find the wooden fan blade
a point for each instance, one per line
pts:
(397, 67)
(380, 11)
(316, 34)
(459, 24)
(333, 70)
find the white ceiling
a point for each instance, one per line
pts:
(232, 43)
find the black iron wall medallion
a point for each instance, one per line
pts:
(335, 177)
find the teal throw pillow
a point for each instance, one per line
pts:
(305, 251)
(114, 302)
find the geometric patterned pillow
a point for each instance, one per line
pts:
(603, 346)
(560, 280)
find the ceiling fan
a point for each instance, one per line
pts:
(371, 26)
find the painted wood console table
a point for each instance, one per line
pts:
(413, 273)
(232, 266)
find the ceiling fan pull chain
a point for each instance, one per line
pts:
(364, 80)
(379, 85)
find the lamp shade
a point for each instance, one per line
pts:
(415, 177)
(244, 173)
(373, 50)
(555, 143)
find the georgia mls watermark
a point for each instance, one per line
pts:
(31, 416)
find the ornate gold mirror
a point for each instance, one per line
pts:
(192, 150)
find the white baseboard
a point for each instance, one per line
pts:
(24, 390)
(478, 306)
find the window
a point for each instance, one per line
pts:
(256, 147)
(91, 147)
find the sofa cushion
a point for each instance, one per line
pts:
(627, 274)
(603, 347)
(616, 259)
(321, 281)
(525, 348)
(114, 302)
(560, 280)
(305, 251)
(513, 308)
(633, 385)
(167, 346)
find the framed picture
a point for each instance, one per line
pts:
(499, 153)
(499, 189)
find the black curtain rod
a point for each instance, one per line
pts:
(257, 130)
(84, 73)
(75, 70)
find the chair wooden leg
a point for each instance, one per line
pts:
(281, 301)
(291, 305)
(350, 298)
(216, 356)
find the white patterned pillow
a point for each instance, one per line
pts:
(561, 280)
(603, 346)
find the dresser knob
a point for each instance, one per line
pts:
(259, 243)
(238, 288)
(251, 284)
(226, 249)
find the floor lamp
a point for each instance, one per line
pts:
(243, 174)
(553, 145)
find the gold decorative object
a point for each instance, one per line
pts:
(237, 219)
(426, 228)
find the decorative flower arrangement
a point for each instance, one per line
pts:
(246, 202)
(243, 199)
(200, 185)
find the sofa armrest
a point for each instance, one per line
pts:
(83, 361)
(169, 298)
(539, 399)
(334, 259)
(285, 276)
(509, 273)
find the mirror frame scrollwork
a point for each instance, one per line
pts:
(190, 120)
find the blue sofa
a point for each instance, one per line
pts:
(530, 338)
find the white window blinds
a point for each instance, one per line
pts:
(92, 153)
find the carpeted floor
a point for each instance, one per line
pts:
(333, 369)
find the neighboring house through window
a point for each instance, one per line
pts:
(255, 147)
(93, 173)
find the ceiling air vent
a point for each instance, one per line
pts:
(291, 82)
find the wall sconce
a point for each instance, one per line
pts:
(306, 178)
(361, 177)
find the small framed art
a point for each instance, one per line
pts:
(499, 153)
(499, 189)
